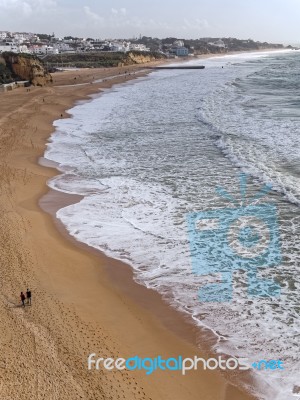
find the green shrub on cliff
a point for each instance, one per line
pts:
(100, 59)
(5, 73)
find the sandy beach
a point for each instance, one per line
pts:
(83, 302)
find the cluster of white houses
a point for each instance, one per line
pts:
(23, 42)
(31, 43)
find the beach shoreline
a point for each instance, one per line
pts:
(69, 280)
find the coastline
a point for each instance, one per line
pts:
(74, 284)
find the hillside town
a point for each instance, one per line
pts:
(31, 43)
(44, 44)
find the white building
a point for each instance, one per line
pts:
(23, 49)
(118, 46)
(178, 43)
(3, 35)
(51, 50)
(63, 47)
(219, 43)
(43, 49)
(19, 37)
(8, 46)
(12, 47)
(23, 36)
(138, 47)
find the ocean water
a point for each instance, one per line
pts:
(147, 153)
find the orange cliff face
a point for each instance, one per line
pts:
(27, 68)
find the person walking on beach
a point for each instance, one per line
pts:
(28, 295)
(23, 298)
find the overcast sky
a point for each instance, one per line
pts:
(270, 20)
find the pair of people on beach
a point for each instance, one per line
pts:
(28, 296)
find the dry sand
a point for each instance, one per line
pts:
(77, 308)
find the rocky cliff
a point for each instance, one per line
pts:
(26, 67)
(139, 58)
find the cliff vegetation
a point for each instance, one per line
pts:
(101, 59)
